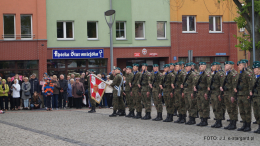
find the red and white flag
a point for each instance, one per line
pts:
(97, 88)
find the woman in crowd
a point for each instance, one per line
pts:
(48, 91)
(4, 89)
(26, 87)
(109, 92)
(69, 91)
(16, 94)
(77, 93)
(42, 90)
(35, 101)
(56, 92)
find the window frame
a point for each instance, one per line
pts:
(96, 30)
(65, 31)
(31, 28)
(214, 25)
(165, 30)
(188, 28)
(120, 29)
(141, 38)
(14, 27)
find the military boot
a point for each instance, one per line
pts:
(118, 112)
(144, 117)
(160, 117)
(167, 118)
(179, 119)
(233, 126)
(171, 117)
(138, 115)
(201, 121)
(197, 115)
(213, 126)
(204, 122)
(155, 119)
(248, 127)
(257, 130)
(219, 124)
(228, 125)
(122, 113)
(129, 115)
(192, 121)
(175, 112)
(92, 110)
(242, 128)
(189, 122)
(147, 116)
(113, 114)
(183, 119)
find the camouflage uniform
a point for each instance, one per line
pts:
(166, 81)
(256, 100)
(118, 103)
(135, 92)
(129, 98)
(195, 96)
(143, 82)
(155, 82)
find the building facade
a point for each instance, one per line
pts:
(23, 43)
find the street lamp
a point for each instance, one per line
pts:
(110, 24)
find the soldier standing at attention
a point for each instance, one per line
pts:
(215, 94)
(166, 86)
(195, 96)
(134, 91)
(202, 87)
(190, 101)
(145, 91)
(154, 85)
(178, 90)
(256, 95)
(118, 103)
(174, 105)
(243, 91)
(229, 86)
(247, 67)
(129, 99)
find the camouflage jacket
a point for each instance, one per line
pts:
(216, 80)
(155, 80)
(256, 86)
(116, 82)
(244, 83)
(180, 76)
(231, 78)
(188, 85)
(167, 79)
(128, 77)
(135, 79)
(203, 81)
(144, 81)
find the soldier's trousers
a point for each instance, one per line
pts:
(157, 102)
(180, 102)
(216, 106)
(129, 100)
(231, 107)
(175, 101)
(146, 101)
(93, 102)
(204, 104)
(190, 104)
(244, 108)
(256, 107)
(118, 102)
(198, 104)
(137, 100)
(168, 101)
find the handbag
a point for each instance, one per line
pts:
(78, 92)
(26, 93)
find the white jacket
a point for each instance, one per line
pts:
(109, 89)
(16, 89)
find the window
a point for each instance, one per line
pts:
(188, 24)
(26, 26)
(139, 30)
(120, 30)
(65, 30)
(183, 59)
(161, 30)
(215, 24)
(92, 30)
(221, 59)
(9, 26)
(202, 59)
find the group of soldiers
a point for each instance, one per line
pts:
(186, 90)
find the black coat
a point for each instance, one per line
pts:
(63, 85)
(34, 85)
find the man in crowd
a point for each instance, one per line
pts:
(63, 91)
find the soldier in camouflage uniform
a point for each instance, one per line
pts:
(228, 86)
(195, 96)
(154, 82)
(118, 103)
(172, 65)
(134, 91)
(244, 89)
(215, 94)
(256, 95)
(129, 99)
(190, 101)
(178, 89)
(202, 87)
(166, 86)
(92, 101)
(143, 84)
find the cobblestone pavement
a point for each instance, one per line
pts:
(77, 127)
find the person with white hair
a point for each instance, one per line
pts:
(16, 94)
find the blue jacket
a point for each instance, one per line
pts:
(69, 90)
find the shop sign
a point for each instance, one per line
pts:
(222, 54)
(137, 54)
(144, 51)
(77, 54)
(153, 54)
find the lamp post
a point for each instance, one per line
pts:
(110, 24)
(253, 28)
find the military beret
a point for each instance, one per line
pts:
(226, 62)
(155, 65)
(187, 64)
(193, 63)
(256, 62)
(231, 62)
(172, 64)
(242, 61)
(130, 67)
(245, 60)
(117, 68)
(181, 62)
(256, 66)
(144, 64)
(135, 64)
(91, 70)
(166, 65)
(214, 63)
(177, 63)
(202, 63)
